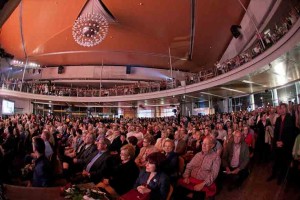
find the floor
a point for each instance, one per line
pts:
(257, 188)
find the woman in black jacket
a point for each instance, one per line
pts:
(124, 175)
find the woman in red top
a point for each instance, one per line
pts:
(249, 139)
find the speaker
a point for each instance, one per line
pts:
(60, 70)
(128, 69)
(266, 91)
(235, 30)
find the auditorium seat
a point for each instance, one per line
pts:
(19, 192)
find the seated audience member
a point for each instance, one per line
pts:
(235, 159)
(160, 141)
(123, 175)
(221, 132)
(77, 146)
(249, 139)
(170, 165)
(218, 147)
(133, 141)
(117, 142)
(152, 180)
(229, 137)
(195, 146)
(42, 169)
(170, 133)
(147, 149)
(48, 148)
(180, 143)
(100, 164)
(156, 133)
(136, 132)
(196, 143)
(89, 148)
(200, 173)
(2, 166)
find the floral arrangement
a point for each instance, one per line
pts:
(75, 192)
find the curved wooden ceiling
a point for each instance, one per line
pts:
(142, 36)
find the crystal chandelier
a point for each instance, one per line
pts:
(90, 29)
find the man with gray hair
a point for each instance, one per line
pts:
(236, 158)
(100, 163)
(201, 172)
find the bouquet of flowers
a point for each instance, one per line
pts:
(75, 192)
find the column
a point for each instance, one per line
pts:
(297, 84)
(225, 103)
(229, 104)
(275, 97)
(252, 102)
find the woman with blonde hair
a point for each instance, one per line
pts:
(148, 148)
(160, 141)
(124, 175)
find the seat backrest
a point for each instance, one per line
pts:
(20, 192)
(170, 193)
(181, 165)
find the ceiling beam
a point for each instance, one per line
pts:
(7, 10)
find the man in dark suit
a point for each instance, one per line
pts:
(117, 143)
(284, 138)
(42, 171)
(83, 158)
(100, 163)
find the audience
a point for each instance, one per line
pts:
(83, 147)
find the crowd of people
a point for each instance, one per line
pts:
(152, 156)
(48, 88)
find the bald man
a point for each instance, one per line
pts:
(201, 172)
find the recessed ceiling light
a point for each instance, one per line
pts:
(245, 81)
(140, 4)
(233, 90)
(210, 94)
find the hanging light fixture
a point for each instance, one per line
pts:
(91, 27)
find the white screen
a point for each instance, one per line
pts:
(8, 107)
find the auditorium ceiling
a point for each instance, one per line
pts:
(141, 36)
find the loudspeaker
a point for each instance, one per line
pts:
(235, 30)
(266, 91)
(128, 69)
(60, 70)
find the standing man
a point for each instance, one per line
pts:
(284, 137)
